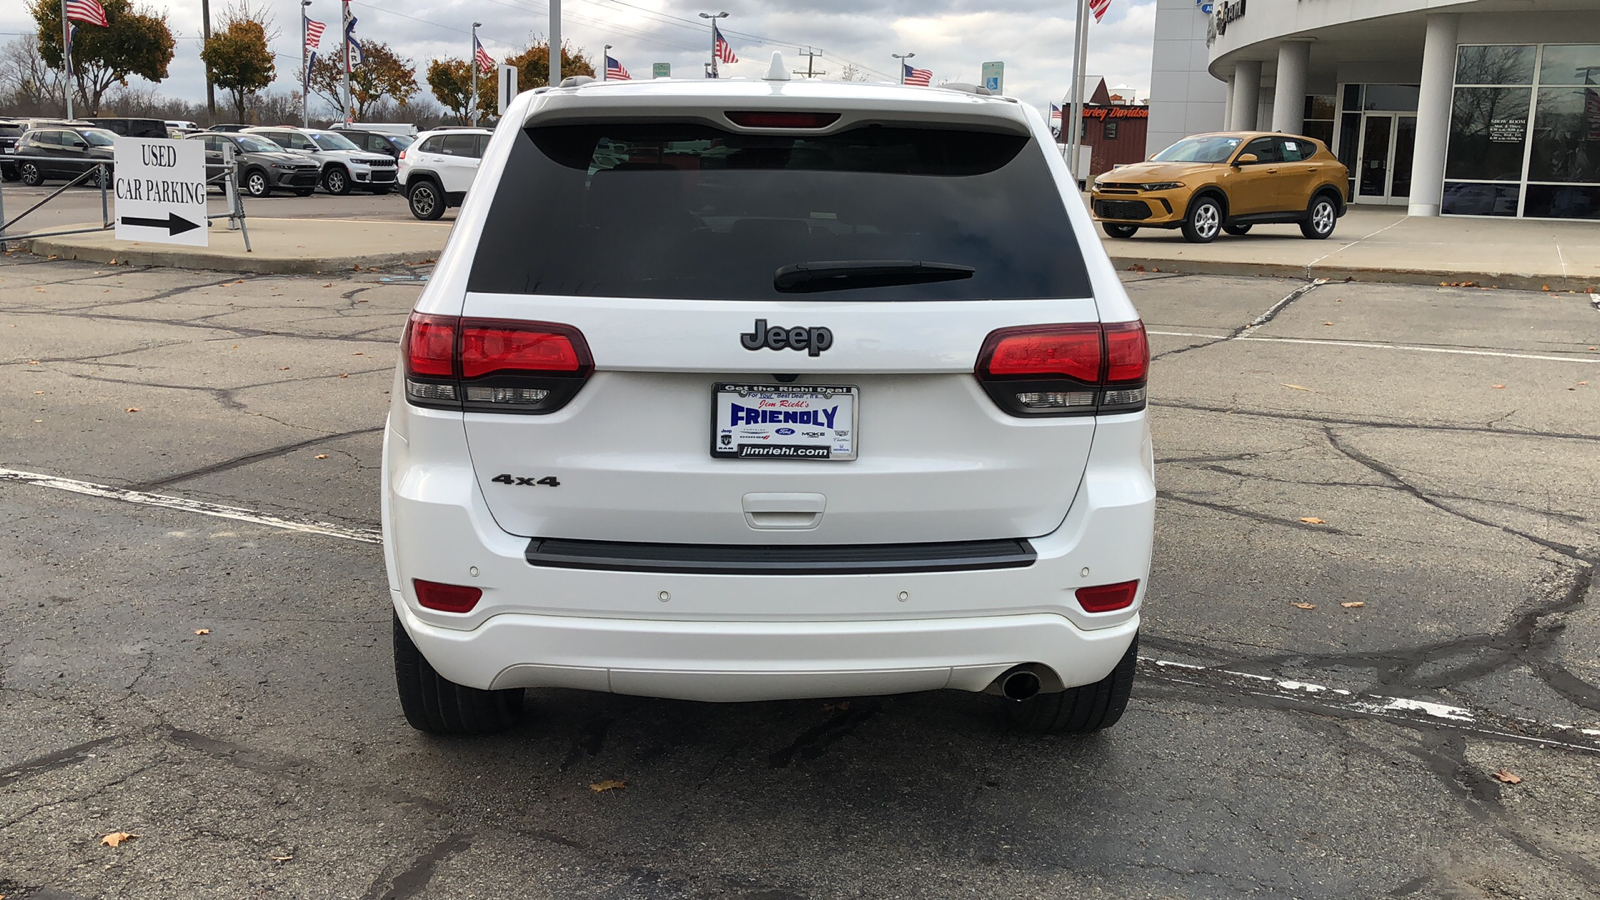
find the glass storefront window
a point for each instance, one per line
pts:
(1480, 199)
(1352, 97)
(1392, 97)
(1319, 106)
(1566, 136)
(1577, 64)
(1563, 201)
(1499, 64)
(1488, 133)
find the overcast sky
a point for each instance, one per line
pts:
(951, 37)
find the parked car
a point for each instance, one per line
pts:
(1226, 182)
(436, 171)
(181, 125)
(229, 127)
(263, 165)
(926, 459)
(379, 142)
(67, 150)
(126, 127)
(344, 165)
(10, 131)
(405, 129)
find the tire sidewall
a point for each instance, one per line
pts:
(337, 181)
(1317, 204)
(251, 182)
(1203, 232)
(429, 194)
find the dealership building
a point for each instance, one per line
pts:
(1480, 108)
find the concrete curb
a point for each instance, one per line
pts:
(178, 257)
(1375, 274)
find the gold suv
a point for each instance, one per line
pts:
(1226, 182)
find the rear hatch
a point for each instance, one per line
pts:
(700, 292)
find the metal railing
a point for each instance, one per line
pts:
(101, 172)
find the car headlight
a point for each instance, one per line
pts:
(1161, 186)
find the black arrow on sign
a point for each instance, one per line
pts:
(173, 223)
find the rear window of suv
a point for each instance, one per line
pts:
(687, 211)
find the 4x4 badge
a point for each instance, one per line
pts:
(811, 340)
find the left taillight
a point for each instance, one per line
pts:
(1075, 369)
(493, 365)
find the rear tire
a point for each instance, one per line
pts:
(1120, 232)
(1203, 221)
(1079, 710)
(436, 705)
(426, 200)
(1320, 218)
(1236, 230)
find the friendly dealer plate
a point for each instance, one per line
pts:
(764, 421)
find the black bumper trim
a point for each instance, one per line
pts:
(781, 559)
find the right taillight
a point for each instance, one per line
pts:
(1078, 369)
(493, 365)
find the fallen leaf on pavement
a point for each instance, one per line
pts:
(1581, 382)
(33, 362)
(322, 456)
(1305, 606)
(1327, 323)
(283, 368)
(1312, 520)
(359, 353)
(1354, 604)
(1499, 387)
(133, 409)
(116, 838)
(273, 858)
(345, 375)
(1506, 777)
(600, 787)
(1298, 387)
(202, 631)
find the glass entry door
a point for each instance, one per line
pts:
(1388, 141)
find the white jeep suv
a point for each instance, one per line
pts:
(344, 165)
(436, 171)
(745, 390)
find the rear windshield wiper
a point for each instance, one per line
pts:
(839, 275)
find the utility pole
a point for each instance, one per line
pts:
(472, 108)
(555, 43)
(811, 55)
(902, 57)
(305, 68)
(720, 15)
(205, 33)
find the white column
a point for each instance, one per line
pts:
(1433, 114)
(1289, 97)
(1246, 95)
(1227, 103)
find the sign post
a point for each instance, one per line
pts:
(160, 186)
(661, 70)
(508, 87)
(994, 77)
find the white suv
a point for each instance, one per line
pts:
(344, 165)
(733, 391)
(436, 171)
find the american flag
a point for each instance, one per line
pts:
(313, 35)
(87, 11)
(484, 60)
(615, 71)
(1055, 117)
(1099, 7)
(724, 50)
(922, 77)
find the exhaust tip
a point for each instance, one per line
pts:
(1020, 685)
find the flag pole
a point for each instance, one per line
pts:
(472, 63)
(605, 68)
(555, 43)
(305, 69)
(714, 18)
(902, 57)
(345, 39)
(66, 51)
(1079, 73)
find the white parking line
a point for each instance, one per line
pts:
(215, 510)
(1373, 345)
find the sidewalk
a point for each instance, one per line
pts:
(1384, 244)
(280, 246)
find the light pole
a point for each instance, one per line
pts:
(305, 68)
(473, 64)
(902, 57)
(605, 64)
(205, 38)
(714, 18)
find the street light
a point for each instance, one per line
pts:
(902, 57)
(305, 69)
(714, 18)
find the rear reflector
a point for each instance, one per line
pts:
(758, 119)
(451, 598)
(1107, 597)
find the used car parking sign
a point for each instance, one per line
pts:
(160, 186)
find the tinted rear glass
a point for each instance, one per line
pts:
(686, 211)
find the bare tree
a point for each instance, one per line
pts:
(28, 87)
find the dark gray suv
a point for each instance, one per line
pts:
(263, 165)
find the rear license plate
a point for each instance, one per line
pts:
(763, 421)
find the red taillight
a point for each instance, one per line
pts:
(493, 365)
(402, 154)
(1066, 370)
(451, 598)
(758, 119)
(1107, 597)
(488, 348)
(1069, 351)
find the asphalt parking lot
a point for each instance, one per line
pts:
(78, 205)
(1371, 655)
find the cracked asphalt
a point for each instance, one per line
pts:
(1427, 453)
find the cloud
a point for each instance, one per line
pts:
(952, 37)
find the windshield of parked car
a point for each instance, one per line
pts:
(1200, 150)
(402, 140)
(256, 145)
(98, 138)
(687, 211)
(333, 142)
